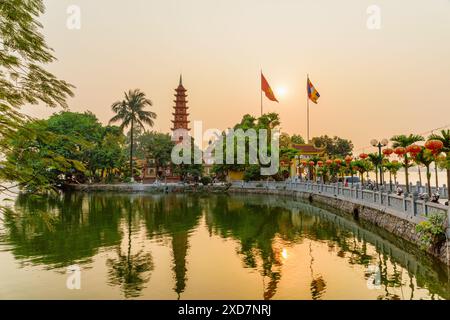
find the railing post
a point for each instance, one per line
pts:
(448, 222)
(404, 202)
(414, 203)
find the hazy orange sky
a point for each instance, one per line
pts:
(373, 83)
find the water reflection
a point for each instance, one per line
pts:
(269, 234)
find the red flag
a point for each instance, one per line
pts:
(267, 89)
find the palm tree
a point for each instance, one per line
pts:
(405, 141)
(426, 158)
(377, 161)
(445, 138)
(130, 112)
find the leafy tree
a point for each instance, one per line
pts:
(157, 145)
(425, 158)
(285, 141)
(268, 122)
(405, 141)
(334, 147)
(23, 79)
(130, 112)
(68, 147)
(190, 170)
(377, 162)
(297, 139)
(444, 136)
(393, 168)
(362, 166)
(36, 157)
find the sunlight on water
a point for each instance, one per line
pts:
(204, 247)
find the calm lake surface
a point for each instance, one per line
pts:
(140, 246)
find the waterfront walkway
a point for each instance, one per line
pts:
(409, 208)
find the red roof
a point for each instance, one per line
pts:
(308, 148)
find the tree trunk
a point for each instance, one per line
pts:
(429, 180)
(406, 173)
(420, 175)
(131, 148)
(448, 184)
(436, 173)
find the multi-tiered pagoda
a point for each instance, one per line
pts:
(180, 115)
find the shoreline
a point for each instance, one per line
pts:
(394, 225)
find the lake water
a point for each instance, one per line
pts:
(175, 246)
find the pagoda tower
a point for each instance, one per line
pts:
(180, 115)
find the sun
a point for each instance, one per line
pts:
(281, 91)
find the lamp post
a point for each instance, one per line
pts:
(379, 145)
(297, 167)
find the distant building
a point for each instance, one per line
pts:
(305, 152)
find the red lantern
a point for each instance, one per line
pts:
(320, 163)
(435, 146)
(329, 162)
(400, 151)
(338, 161)
(348, 159)
(312, 163)
(387, 152)
(413, 149)
(304, 162)
(363, 156)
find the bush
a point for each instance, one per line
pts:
(206, 180)
(432, 230)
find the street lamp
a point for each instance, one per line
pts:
(297, 167)
(379, 145)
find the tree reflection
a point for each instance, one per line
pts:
(130, 271)
(58, 231)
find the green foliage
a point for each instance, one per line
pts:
(155, 145)
(297, 139)
(405, 141)
(269, 122)
(191, 170)
(206, 180)
(444, 136)
(23, 80)
(252, 173)
(68, 147)
(335, 147)
(431, 230)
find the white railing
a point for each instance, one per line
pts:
(406, 207)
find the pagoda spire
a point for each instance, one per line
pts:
(180, 113)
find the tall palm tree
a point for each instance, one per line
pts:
(377, 161)
(425, 158)
(444, 136)
(405, 141)
(130, 112)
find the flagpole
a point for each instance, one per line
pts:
(261, 95)
(307, 108)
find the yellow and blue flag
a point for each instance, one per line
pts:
(313, 94)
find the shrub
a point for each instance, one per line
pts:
(431, 230)
(206, 180)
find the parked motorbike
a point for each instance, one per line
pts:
(435, 197)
